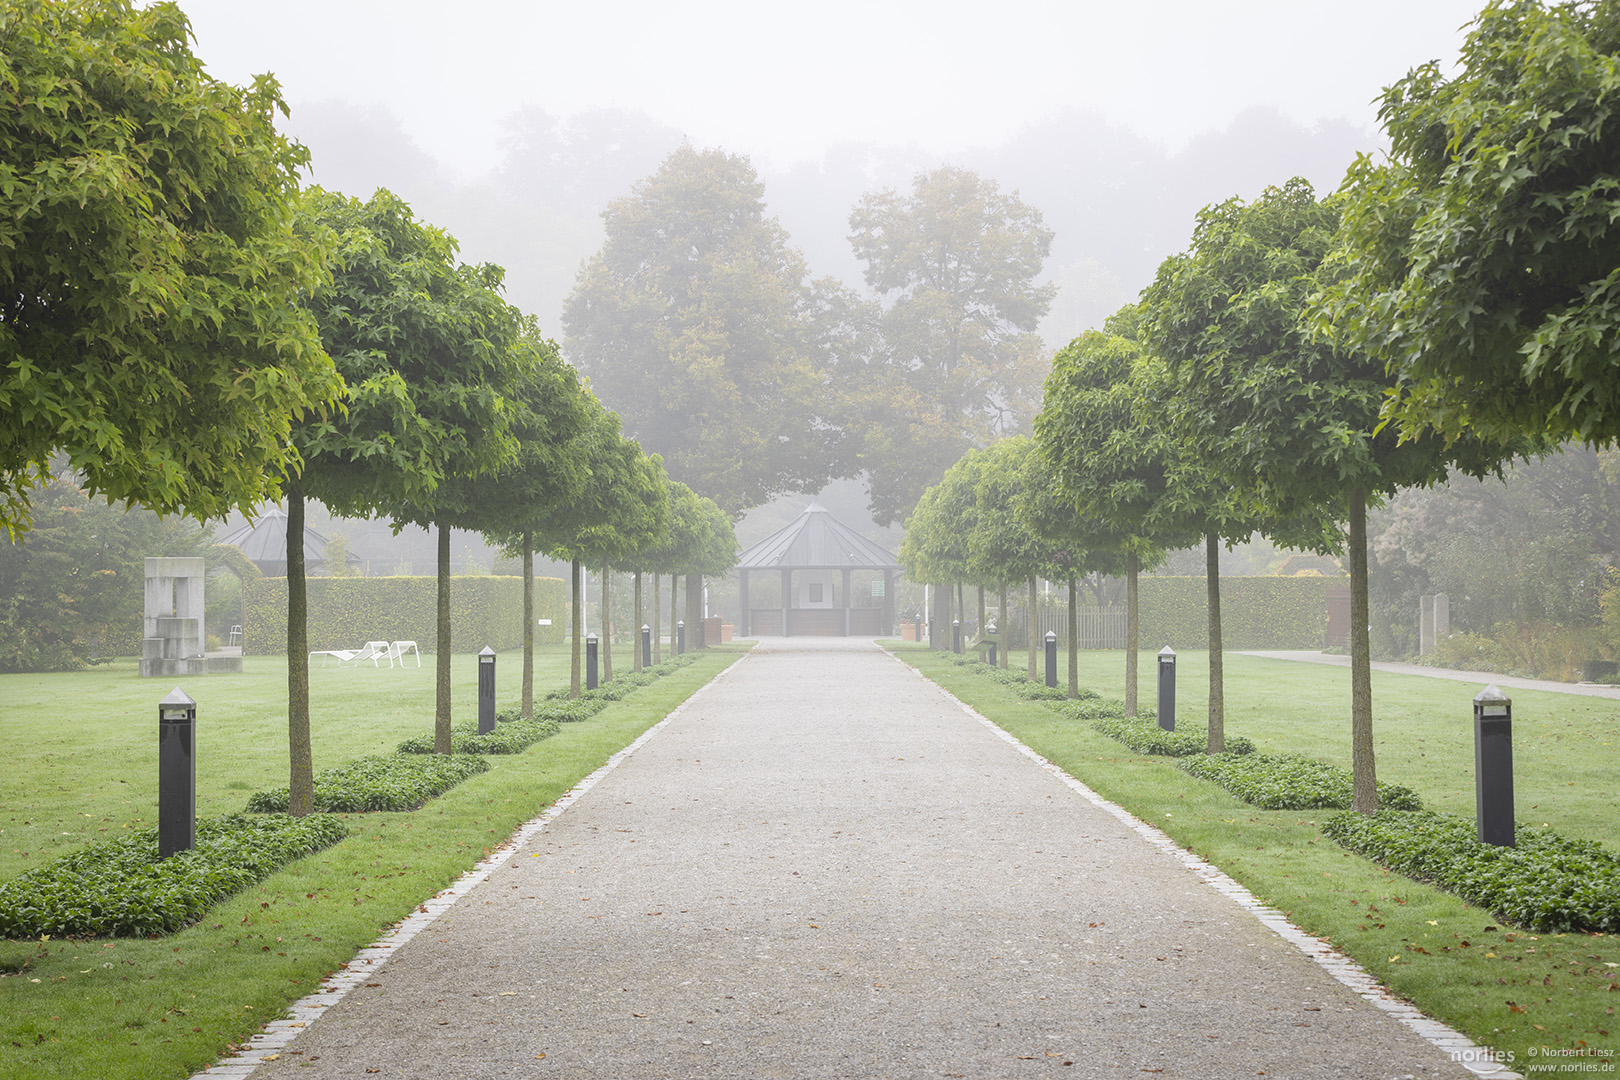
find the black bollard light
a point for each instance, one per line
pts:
(1493, 766)
(177, 774)
(590, 661)
(956, 635)
(990, 633)
(1051, 658)
(646, 646)
(486, 690)
(1167, 688)
(680, 637)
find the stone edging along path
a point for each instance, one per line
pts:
(1464, 1051)
(278, 1034)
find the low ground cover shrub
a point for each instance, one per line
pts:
(1547, 883)
(392, 782)
(1147, 737)
(512, 737)
(1022, 685)
(1290, 782)
(1092, 708)
(121, 887)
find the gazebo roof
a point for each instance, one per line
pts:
(816, 541)
(264, 542)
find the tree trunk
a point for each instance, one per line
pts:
(657, 618)
(1034, 628)
(694, 612)
(301, 781)
(528, 625)
(961, 611)
(674, 610)
(635, 630)
(979, 629)
(1003, 629)
(1217, 702)
(606, 647)
(1074, 638)
(1132, 645)
(1364, 783)
(946, 630)
(441, 691)
(576, 627)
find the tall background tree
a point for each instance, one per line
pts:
(695, 321)
(1479, 260)
(954, 263)
(148, 267)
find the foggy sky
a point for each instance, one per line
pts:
(783, 83)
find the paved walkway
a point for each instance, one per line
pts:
(825, 867)
(1481, 679)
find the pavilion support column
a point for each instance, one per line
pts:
(846, 602)
(742, 600)
(888, 604)
(787, 598)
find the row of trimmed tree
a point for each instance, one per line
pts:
(195, 333)
(1446, 311)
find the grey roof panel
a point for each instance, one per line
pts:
(817, 540)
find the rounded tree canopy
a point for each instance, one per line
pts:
(148, 266)
(1479, 260)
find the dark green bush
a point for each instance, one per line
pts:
(395, 782)
(1090, 708)
(1274, 782)
(1547, 883)
(512, 737)
(121, 887)
(1147, 737)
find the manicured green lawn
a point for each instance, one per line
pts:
(82, 751)
(1505, 989)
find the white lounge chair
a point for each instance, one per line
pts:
(398, 652)
(374, 651)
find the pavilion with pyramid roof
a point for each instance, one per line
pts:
(818, 557)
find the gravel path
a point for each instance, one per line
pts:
(824, 867)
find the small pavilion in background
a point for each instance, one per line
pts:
(822, 563)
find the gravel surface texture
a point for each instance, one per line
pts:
(825, 867)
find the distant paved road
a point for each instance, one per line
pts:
(1481, 679)
(826, 868)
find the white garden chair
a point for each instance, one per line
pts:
(375, 651)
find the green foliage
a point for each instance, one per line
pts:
(1547, 882)
(1256, 612)
(1091, 706)
(1288, 782)
(149, 327)
(958, 363)
(1105, 454)
(121, 887)
(395, 782)
(344, 612)
(512, 735)
(73, 587)
(1147, 737)
(1478, 257)
(698, 323)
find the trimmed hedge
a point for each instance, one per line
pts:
(1289, 782)
(121, 887)
(344, 612)
(1147, 737)
(1256, 612)
(1547, 883)
(395, 782)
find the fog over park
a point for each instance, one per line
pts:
(512, 124)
